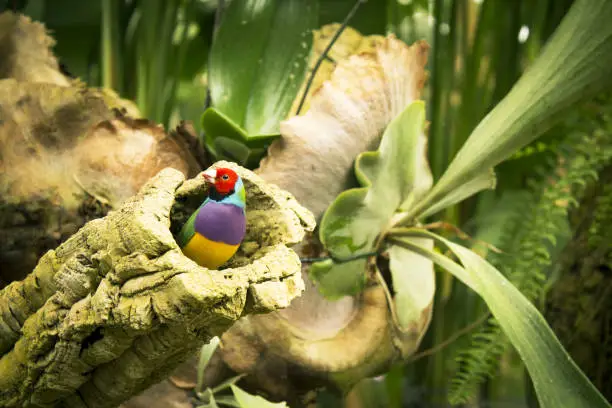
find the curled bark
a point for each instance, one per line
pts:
(116, 307)
(67, 157)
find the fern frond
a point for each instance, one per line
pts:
(528, 242)
(600, 233)
(579, 303)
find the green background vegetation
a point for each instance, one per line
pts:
(550, 214)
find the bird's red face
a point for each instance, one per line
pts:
(223, 179)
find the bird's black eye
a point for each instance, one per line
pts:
(225, 177)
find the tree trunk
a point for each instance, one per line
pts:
(117, 306)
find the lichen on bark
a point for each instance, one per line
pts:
(117, 306)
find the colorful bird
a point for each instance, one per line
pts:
(214, 231)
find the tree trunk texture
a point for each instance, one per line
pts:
(117, 306)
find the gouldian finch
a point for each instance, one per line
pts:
(212, 234)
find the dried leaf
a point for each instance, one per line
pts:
(347, 115)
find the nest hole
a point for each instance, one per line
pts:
(185, 204)
(183, 207)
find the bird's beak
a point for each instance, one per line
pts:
(210, 175)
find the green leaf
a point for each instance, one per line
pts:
(413, 282)
(393, 175)
(228, 149)
(258, 61)
(335, 280)
(206, 352)
(228, 141)
(482, 181)
(228, 400)
(212, 403)
(217, 124)
(228, 383)
(557, 379)
(371, 18)
(247, 400)
(572, 66)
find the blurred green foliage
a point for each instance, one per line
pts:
(252, 88)
(157, 53)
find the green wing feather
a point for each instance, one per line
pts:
(188, 230)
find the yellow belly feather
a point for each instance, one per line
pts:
(207, 253)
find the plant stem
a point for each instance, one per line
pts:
(437, 155)
(465, 330)
(159, 75)
(331, 43)
(111, 47)
(179, 60)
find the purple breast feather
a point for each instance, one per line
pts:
(221, 222)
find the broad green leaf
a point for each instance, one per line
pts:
(482, 181)
(217, 124)
(228, 141)
(338, 279)
(240, 153)
(413, 282)
(557, 379)
(206, 353)
(258, 61)
(573, 65)
(246, 400)
(391, 176)
(371, 18)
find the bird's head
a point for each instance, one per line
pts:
(223, 182)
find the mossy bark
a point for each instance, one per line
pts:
(116, 307)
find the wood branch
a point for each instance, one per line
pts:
(117, 306)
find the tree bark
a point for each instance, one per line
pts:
(116, 307)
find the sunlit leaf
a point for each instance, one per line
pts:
(572, 66)
(558, 381)
(258, 60)
(391, 175)
(482, 181)
(206, 353)
(228, 141)
(413, 282)
(246, 400)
